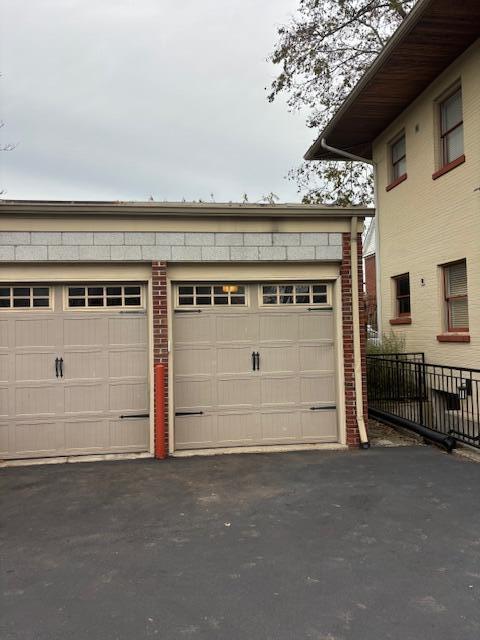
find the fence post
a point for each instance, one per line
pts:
(421, 373)
(160, 448)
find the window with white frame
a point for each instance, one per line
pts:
(229, 294)
(24, 297)
(456, 295)
(102, 296)
(294, 294)
(398, 158)
(451, 127)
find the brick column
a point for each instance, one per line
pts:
(353, 438)
(160, 327)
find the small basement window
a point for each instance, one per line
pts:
(24, 297)
(294, 294)
(103, 296)
(192, 295)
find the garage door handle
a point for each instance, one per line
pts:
(257, 355)
(60, 362)
(254, 361)
(189, 413)
(325, 407)
(56, 367)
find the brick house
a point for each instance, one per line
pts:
(254, 311)
(415, 117)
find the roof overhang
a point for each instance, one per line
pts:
(173, 209)
(433, 35)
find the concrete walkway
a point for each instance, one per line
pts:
(373, 545)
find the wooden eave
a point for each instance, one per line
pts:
(434, 34)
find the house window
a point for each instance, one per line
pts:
(211, 294)
(451, 128)
(456, 296)
(95, 296)
(402, 295)
(24, 297)
(398, 158)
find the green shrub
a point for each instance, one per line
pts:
(389, 343)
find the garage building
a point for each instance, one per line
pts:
(255, 312)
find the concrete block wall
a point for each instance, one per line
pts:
(56, 246)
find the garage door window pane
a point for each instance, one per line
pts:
(211, 294)
(105, 296)
(76, 302)
(21, 291)
(287, 294)
(132, 302)
(21, 302)
(40, 302)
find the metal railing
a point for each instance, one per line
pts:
(441, 398)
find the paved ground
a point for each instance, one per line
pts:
(374, 545)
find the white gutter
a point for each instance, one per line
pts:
(357, 353)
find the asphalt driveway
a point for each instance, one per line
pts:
(330, 546)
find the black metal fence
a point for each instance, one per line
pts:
(442, 398)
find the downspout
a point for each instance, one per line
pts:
(357, 353)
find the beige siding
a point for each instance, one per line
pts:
(426, 222)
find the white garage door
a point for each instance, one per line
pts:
(253, 364)
(73, 368)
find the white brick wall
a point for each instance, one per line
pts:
(171, 246)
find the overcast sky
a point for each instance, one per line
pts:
(127, 99)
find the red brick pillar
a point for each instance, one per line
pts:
(160, 328)
(353, 438)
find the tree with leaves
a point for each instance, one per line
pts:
(323, 51)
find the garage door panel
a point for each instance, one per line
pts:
(4, 439)
(278, 326)
(237, 392)
(35, 366)
(315, 357)
(237, 429)
(316, 325)
(195, 432)
(193, 393)
(4, 334)
(195, 328)
(319, 424)
(128, 396)
(39, 438)
(280, 426)
(33, 400)
(84, 330)
(4, 410)
(128, 330)
(127, 364)
(317, 388)
(196, 360)
(232, 359)
(279, 358)
(84, 364)
(279, 391)
(236, 328)
(84, 397)
(38, 332)
(4, 367)
(79, 432)
(128, 434)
